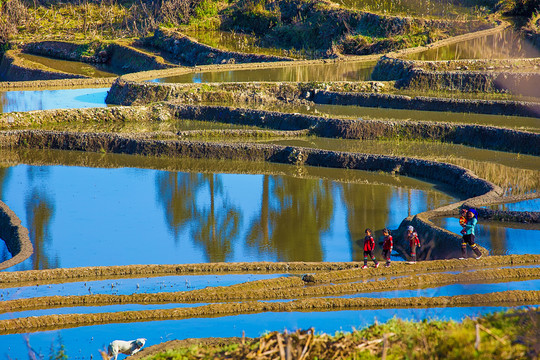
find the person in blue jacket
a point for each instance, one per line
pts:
(468, 235)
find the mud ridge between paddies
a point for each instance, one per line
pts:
(50, 322)
(280, 288)
(328, 271)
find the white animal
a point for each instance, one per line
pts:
(125, 347)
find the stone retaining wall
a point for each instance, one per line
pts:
(125, 92)
(191, 52)
(15, 236)
(472, 135)
(128, 58)
(453, 175)
(14, 69)
(463, 75)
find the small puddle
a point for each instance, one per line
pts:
(29, 100)
(72, 67)
(84, 342)
(339, 71)
(500, 238)
(507, 44)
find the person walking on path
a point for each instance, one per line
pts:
(468, 236)
(369, 246)
(388, 244)
(412, 237)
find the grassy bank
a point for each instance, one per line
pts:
(507, 335)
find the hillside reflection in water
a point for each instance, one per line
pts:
(80, 216)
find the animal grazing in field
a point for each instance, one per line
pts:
(124, 347)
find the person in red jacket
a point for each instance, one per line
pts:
(412, 237)
(388, 244)
(369, 246)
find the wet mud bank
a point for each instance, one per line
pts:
(190, 52)
(13, 68)
(121, 56)
(125, 92)
(471, 135)
(15, 236)
(487, 137)
(518, 77)
(326, 271)
(103, 142)
(49, 322)
(276, 289)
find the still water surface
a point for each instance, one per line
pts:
(52, 99)
(84, 342)
(339, 71)
(500, 238)
(507, 44)
(448, 290)
(80, 216)
(73, 67)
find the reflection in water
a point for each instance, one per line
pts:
(198, 216)
(52, 99)
(442, 8)
(88, 339)
(215, 229)
(525, 205)
(39, 211)
(339, 71)
(500, 238)
(72, 67)
(507, 44)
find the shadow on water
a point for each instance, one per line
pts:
(195, 214)
(508, 44)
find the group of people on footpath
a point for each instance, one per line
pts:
(467, 220)
(388, 245)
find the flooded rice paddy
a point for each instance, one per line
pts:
(360, 112)
(339, 71)
(525, 205)
(508, 44)
(84, 342)
(73, 67)
(444, 8)
(128, 286)
(29, 100)
(194, 217)
(82, 208)
(500, 238)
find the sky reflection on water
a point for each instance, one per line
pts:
(29, 100)
(81, 216)
(84, 342)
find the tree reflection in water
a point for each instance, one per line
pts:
(292, 223)
(39, 212)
